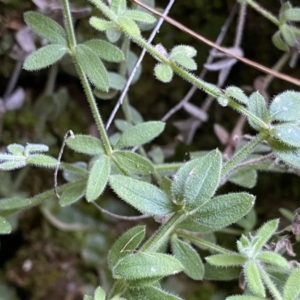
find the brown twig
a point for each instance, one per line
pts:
(224, 50)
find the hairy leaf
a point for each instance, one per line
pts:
(85, 144)
(190, 259)
(72, 193)
(98, 178)
(219, 212)
(133, 162)
(143, 196)
(140, 134)
(105, 50)
(44, 57)
(92, 66)
(286, 107)
(125, 244)
(163, 72)
(46, 27)
(146, 265)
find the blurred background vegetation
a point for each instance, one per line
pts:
(47, 258)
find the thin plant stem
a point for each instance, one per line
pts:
(210, 58)
(222, 49)
(159, 237)
(202, 243)
(84, 80)
(120, 217)
(243, 153)
(125, 90)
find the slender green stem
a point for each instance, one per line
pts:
(268, 15)
(210, 89)
(69, 25)
(39, 199)
(203, 243)
(168, 167)
(242, 109)
(270, 284)
(263, 12)
(159, 237)
(84, 81)
(243, 153)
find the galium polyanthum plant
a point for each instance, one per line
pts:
(183, 197)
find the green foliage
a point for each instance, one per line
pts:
(182, 196)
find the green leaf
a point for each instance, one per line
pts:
(16, 149)
(284, 7)
(130, 65)
(219, 212)
(287, 133)
(226, 260)
(273, 258)
(101, 24)
(98, 178)
(122, 125)
(289, 155)
(13, 203)
(152, 293)
(12, 165)
(141, 283)
(220, 273)
(257, 105)
(87, 297)
(288, 34)
(72, 193)
(223, 101)
(116, 81)
(44, 57)
(163, 72)
(125, 244)
(92, 66)
(99, 294)
(32, 148)
(129, 26)
(105, 50)
(245, 177)
(244, 297)
(184, 61)
(42, 160)
(184, 50)
(140, 134)
(5, 227)
(264, 233)
(77, 172)
(118, 6)
(196, 182)
(85, 144)
(252, 276)
(286, 107)
(133, 162)
(143, 196)
(147, 265)
(46, 27)
(292, 287)
(279, 42)
(113, 34)
(190, 259)
(140, 16)
(292, 14)
(236, 93)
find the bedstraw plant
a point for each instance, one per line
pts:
(182, 197)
